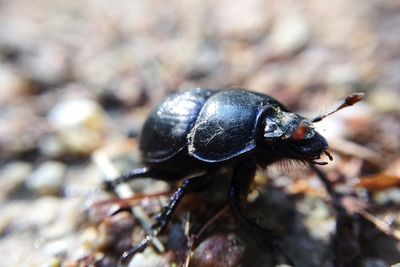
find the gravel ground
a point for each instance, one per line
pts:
(77, 79)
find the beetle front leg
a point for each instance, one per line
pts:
(242, 175)
(190, 185)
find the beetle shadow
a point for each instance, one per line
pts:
(280, 214)
(309, 237)
(275, 210)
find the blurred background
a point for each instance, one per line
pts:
(77, 78)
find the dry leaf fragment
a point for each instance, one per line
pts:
(379, 182)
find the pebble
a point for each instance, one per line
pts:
(290, 34)
(42, 213)
(18, 250)
(80, 141)
(48, 178)
(391, 195)
(51, 146)
(385, 100)
(46, 63)
(243, 19)
(220, 250)
(344, 76)
(13, 175)
(9, 213)
(26, 217)
(12, 83)
(58, 247)
(48, 223)
(76, 113)
(68, 216)
(148, 259)
(79, 125)
(115, 232)
(89, 241)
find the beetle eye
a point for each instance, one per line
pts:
(301, 132)
(272, 130)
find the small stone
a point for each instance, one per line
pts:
(218, 251)
(58, 247)
(89, 241)
(243, 19)
(10, 213)
(80, 141)
(43, 212)
(126, 91)
(26, 217)
(76, 113)
(48, 178)
(53, 262)
(13, 175)
(148, 259)
(115, 232)
(290, 34)
(51, 146)
(385, 100)
(12, 83)
(344, 76)
(18, 250)
(79, 125)
(47, 63)
(391, 195)
(68, 216)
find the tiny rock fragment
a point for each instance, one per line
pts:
(115, 232)
(220, 250)
(12, 82)
(244, 20)
(79, 124)
(290, 34)
(48, 178)
(148, 259)
(13, 175)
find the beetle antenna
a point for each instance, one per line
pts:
(349, 101)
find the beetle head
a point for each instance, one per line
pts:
(289, 135)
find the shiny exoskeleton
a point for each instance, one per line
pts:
(201, 130)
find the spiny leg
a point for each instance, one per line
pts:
(242, 175)
(193, 184)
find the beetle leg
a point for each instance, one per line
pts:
(193, 184)
(262, 235)
(109, 185)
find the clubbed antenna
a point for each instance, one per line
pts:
(349, 101)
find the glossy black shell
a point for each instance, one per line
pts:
(212, 125)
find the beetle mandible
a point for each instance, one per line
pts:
(203, 130)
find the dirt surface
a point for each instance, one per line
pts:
(77, 79)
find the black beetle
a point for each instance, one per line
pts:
(203, 130)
